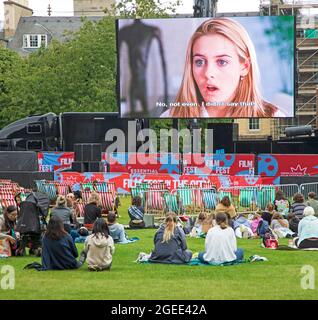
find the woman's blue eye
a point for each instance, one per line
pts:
(199, 62)
(222, 62)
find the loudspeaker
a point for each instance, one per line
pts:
(88, 152)
(95, 166)
(78, 166)
(224, 135)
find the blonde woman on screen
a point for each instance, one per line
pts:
(221, 75)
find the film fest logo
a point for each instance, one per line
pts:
(191, 141)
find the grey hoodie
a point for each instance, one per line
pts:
(99, 251)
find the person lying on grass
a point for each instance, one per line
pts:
(220, 243)
(170, 243)
(99, 247)
(280, 226)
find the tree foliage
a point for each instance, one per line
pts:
(79, 75)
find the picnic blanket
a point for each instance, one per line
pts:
(144, 258)
(293, 248)
(129, 240)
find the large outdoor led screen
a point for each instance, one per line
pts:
(239, 67)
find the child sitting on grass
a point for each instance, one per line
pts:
(99, 247)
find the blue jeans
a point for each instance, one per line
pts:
(239, 255)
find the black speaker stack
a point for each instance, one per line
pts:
(88, 157)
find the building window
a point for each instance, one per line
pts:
(253, 124)
(34, 40)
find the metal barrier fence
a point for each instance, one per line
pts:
(305, 188)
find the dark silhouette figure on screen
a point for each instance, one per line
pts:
(138, 37)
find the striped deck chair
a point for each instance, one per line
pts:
(185, 195)
(40, 185)
(87, 186)
(50, 190)
(265, 195)
(107, 200)
(223, 193)
(62, 188)
(7, 199)
(248, 196)
(80, 209)
(210, 199)
(197, 200)
(85, 195)
(154, 202)
(101, 186)
(172, 202)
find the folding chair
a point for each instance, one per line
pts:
(210, 199)
(62, 188)
(172, 202)
(87, 186)
(197, 200)
(50, 190)
(154, 202)
(85, 195)
(185, 195)
(40, 185)
(107, 200)
(265, 195)
(248, 196)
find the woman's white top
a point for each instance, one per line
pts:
(220, 245)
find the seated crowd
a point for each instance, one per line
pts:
(101, 231)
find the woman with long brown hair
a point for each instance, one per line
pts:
(170, 243)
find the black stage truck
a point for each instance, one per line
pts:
(51, 132)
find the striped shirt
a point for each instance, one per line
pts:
(298, 209)
(136, 213)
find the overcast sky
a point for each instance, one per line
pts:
(65, 7)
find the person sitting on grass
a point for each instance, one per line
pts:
(281, 204)
(293, 222)
(136, 214)
(298, 205)
(59, 251)
(8, 231)
(312, 202)
(170, 243)
(99, 247)
(227, 207)
(61, 210)
(220, 243)
(308, 230)
(92, 210)
(267, 215)
(116, 230)
(280, 226)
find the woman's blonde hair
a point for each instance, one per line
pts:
(94, 198)
(171, 221)
(248, 88)
(60, 201)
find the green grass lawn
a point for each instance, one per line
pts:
(279, 278)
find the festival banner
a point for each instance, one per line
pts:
(221, 164)
(124, 181)
(273, 165)
(54, 161)
(143, 163)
